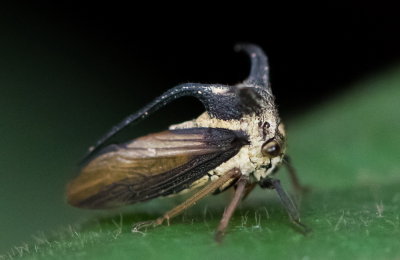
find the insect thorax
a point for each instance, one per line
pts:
(250, 160)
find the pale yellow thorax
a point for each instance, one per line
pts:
(249, 159)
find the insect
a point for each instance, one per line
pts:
(239, 142)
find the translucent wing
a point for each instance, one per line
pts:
(150, 166)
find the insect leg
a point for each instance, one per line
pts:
(239, 192)
(299, 189)
(210, 188)
(248, 189)
(287, 203)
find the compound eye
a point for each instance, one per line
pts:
(271, 149)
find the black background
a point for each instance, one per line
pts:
(314, 51)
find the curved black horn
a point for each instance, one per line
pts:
(217, 99)
(259, 73)
(220, 101)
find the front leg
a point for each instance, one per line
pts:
(297, 186)
(286, 201)
(240, 191)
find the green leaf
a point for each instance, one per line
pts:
(346, 150)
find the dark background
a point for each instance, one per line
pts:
(70, 71)
(313, 52)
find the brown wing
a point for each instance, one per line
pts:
(154, 165)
